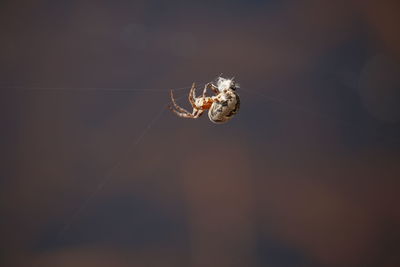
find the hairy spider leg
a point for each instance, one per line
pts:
(180, 109)
(196, 114)
(212, 87)
(215, 89)
(207, 101)
(192, 96)
(205, 89)
(181, 112)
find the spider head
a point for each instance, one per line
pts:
(225, 84)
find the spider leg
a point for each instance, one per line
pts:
(205, 89)
(181, 112)
(192, 99)
(196, 113)
(192, 96)
(180, 109)
(212, 87)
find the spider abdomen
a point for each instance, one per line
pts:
(225, 107)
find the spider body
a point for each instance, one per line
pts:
(225, 108)
(221, 107)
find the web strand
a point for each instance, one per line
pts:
(108, 176)
(70, 89)
(89, 89)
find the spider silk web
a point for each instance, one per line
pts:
(108, 176)
(116, 165)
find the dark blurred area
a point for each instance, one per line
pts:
(307, 174)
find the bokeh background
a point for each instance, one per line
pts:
(307, 174)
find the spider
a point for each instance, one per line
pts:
(221, 107)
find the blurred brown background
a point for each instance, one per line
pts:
(307, 174)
